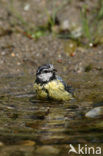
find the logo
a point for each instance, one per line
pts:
(85, 150)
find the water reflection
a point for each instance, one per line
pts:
(43, 126)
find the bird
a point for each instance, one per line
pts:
(48, 85)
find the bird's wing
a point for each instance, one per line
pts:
(67, 88)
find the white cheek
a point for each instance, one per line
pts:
(45, 76)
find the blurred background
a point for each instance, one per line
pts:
(68, 34)
(37, 32)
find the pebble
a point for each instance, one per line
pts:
(12, 54)
(65, 25)
(1, 144)
(26, 7)
(27, 143)
(96, 112)
(77, 32)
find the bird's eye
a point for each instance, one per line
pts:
(45, 71)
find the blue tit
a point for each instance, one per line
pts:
(49, 85)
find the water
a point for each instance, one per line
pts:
(34, 127)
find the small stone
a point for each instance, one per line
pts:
(73, 54)
(1, 144)
(91, 44)
(8, 107)
(65, 25)
(12, 54)
(77, 32)
(18, 63)
(70, 47)
(100, 52)
(26, 7)
(3, 53)
(59, 60)
(27, 143)
(79, 68)
(95, 113)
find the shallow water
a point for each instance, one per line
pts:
(34, 127)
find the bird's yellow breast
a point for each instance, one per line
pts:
(54, 89)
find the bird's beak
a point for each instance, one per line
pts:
(54, 70)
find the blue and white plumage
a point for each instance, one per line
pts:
(51, 86)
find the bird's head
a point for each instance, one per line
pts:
(45, 73)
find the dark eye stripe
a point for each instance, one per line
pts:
(40, 69)
(45, 71)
